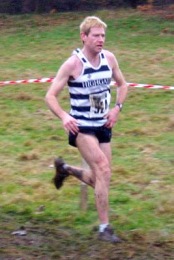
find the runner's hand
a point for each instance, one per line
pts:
(112, 117)
(70, 124)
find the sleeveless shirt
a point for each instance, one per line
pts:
(90, 92)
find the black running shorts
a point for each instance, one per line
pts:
(102, 133)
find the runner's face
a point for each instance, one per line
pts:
(95, 39)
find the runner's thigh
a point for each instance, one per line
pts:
(106, 148)
(90, 150)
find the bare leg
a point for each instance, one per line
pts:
(83, 175)
(99, 163)
(98, 158)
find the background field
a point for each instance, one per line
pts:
(141, 194)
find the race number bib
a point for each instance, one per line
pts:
(99, 104)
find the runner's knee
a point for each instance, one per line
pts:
(102, 169)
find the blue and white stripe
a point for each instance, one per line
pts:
(93, 82)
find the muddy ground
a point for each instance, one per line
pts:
(52, 241)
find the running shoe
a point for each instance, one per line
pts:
(108, 235)
(61, 173)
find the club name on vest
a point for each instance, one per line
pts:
(96, 82)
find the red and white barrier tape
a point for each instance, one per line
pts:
(136, 85)
(24, 81)
(49, 80)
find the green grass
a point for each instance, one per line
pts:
(141, 194)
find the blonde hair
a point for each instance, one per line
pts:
(89, 22)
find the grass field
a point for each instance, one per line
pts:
(142, 190)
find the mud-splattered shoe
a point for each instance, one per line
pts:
(61, 173)
(108, 235)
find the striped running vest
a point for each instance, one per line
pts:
(90, 92)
